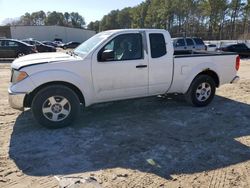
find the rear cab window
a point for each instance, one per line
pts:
(157, 45)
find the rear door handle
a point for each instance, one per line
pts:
(141, 66)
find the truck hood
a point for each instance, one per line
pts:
(42, 58)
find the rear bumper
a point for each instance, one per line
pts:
(16, 100)
(235, 80)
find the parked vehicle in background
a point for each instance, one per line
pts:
(183, 44)
(10, 48)
(115, 65)
(211, 47)
(49, 43)
(241, 48)
(70, 45)
(58, 42)
(40, 46)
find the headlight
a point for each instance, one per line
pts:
(18, 76)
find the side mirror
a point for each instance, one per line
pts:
(108, 55)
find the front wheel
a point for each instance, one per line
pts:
(201, 91)
(55, 106)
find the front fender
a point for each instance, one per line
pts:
(44, 77)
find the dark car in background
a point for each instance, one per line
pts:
(10, 48)
(40, 46)
(49, 43)
(240, 48)
(70, 45)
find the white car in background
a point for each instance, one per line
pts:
(211, 47)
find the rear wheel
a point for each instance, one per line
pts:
(201, 91)
(55, 106)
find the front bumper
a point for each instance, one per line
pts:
(235, 80)
(16, 100)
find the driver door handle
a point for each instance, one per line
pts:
(141, 66)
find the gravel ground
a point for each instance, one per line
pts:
(150, 142)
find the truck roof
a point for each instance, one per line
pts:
(133, 30)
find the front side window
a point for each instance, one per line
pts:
(180, 43)
(124, 47)
(157, 45)
(12, 44)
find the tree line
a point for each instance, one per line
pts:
(208, 19)
(72, 19)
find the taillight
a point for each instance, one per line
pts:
(237, 64)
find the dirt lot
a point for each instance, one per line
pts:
(152, 142)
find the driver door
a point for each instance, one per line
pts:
(125, 74)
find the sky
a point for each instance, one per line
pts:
(91, 10)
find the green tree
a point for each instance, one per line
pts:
(77, 20)
(124, 18)
(25, 19)
(55, 18)
(139, 14)
(67, 18)
(38, 18)
(94, 26)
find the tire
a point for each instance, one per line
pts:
(55, 106)
(201, 91)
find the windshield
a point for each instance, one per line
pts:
(91, 43)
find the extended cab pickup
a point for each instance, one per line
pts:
(115, 65)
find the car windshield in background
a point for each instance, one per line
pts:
(91, 43)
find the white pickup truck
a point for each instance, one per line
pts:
(115, 65)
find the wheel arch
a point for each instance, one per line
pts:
(29, 97)
(210, 73)
(193, 75)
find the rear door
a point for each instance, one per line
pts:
(199, 44)
(9, 48)
(13, 47)
(160, 62)
(125, 75)
(190, 44)
(3, 49)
